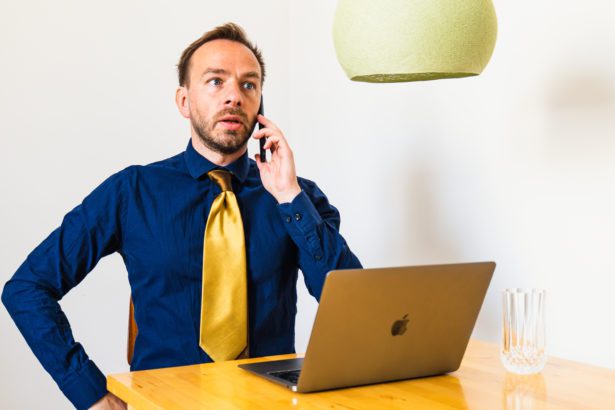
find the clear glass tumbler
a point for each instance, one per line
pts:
(523, 331)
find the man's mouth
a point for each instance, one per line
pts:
(231, 122)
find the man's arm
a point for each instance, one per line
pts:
(59, 263)
(311, 221)
(314, 224)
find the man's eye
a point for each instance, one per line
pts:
(215, 81)
(249, 86)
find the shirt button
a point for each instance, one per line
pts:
(318, 257)
(288, 219)
(297, 217)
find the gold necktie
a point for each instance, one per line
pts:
(224, 304)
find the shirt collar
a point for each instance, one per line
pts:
(198, 165)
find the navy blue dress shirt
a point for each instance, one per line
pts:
(155, 216)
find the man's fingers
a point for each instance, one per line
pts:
(270, 142)
(262, 166)
(266, 132)
(275, 144)
(269, 126)
(265, 121)
(276, 141)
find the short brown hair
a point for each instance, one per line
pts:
(228, 31)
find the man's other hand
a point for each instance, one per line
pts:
(109, 402)
(278, 175)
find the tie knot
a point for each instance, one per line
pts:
(222, 178)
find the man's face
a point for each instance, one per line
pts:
(224, 94)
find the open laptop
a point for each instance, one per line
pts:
(378, 325)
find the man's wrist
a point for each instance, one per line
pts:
(289, 195)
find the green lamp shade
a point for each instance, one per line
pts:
(413, 40)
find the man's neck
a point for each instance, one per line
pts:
(216, 157)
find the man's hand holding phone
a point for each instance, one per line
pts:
(278, 174)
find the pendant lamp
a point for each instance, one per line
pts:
(413, 40)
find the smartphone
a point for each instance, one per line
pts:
(262, 141)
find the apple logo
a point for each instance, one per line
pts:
(399, 326)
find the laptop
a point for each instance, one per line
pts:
(380, 325)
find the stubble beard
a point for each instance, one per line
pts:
(223, 141)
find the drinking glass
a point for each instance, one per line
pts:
(523, 331)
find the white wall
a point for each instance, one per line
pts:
(513, 165)
(516, 165)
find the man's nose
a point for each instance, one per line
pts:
(234, 98)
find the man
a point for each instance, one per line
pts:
(184, 226)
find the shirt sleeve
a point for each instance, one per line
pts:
(313, 224)
(87, 233)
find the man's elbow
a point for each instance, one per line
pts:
(13, 295)
(8, 295)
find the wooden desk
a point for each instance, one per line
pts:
(480, 383)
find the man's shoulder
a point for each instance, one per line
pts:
(174, 163)
(171, 165)
(134, 175)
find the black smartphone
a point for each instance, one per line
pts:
(262, 141)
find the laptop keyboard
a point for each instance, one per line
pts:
(288, 375)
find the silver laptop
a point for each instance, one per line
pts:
(379, 325)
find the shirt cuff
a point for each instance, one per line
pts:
(86, 386)
(302, 220)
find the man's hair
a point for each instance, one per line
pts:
(228, 31)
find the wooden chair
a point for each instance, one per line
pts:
(132, 332)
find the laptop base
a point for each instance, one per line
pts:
(273, 370)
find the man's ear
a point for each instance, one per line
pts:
(181, 99)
